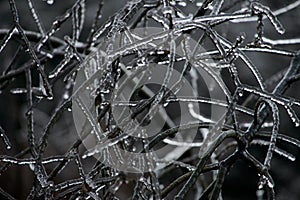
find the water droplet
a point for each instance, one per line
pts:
(133, 148)
(291, 158)
(31, 166)
(66, 95)
(166, 104)
(241, 93)
(51, 183)
(182, 3)
(105, 91)
(127, 142)
(50, 2)
(199, 4)
(270, 185)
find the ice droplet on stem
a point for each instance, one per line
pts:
(50, 2)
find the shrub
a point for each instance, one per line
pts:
(167, 98)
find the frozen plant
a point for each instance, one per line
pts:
(168, 98)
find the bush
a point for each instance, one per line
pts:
(149, 99)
